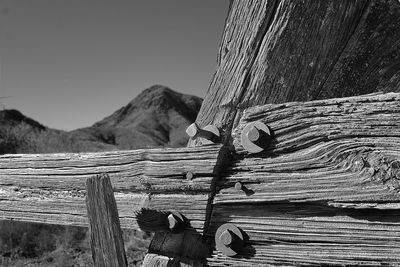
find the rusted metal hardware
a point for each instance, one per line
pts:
(255, 137)
(189, 175)
(229, 239)
(207, 135)
(238, 186)
(176, 221)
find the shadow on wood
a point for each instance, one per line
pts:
(183, 246)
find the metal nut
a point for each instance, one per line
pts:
(175, 221)
(255, 137)
(229, 239)
(208, 135)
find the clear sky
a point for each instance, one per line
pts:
(70, 63)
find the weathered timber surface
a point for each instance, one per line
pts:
(282, 51)
(325, 192)
(50, 188)
(105, 230)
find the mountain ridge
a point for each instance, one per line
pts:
(157, 117)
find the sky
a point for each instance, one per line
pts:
(70, 63)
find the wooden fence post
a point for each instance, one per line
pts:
(105, 230)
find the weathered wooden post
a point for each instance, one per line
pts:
(277, 51)
(105, 230)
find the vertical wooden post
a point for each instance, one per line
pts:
(105, 230)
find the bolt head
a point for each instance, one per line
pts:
(192, 130)
(229, 239)
(189, 175)
(172, 222)
(253, 134)
(238, 186)
(176, 221)
(226, 238)
(255, 137)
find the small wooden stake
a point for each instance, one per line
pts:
(105, 230)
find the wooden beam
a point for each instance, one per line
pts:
(326, 192)
(50, 188)
(105, 231)
(281, 51)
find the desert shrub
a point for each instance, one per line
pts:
(136, 245)
(27, 239)
(17, 138)
(53, 141)
(22, 138)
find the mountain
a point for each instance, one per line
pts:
(157, 117)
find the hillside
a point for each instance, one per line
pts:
(16, 131)
(156, 117)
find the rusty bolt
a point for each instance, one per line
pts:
(189, 175)
(254, 134)
(208, 135)
(175, 221)
(193, 130)
(229, 239)
(255, 137)
(238, 186)
(226, 238)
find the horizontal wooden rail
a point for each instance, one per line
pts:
(325, 192)
(50, 188)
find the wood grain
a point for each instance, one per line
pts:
(50, 188)
(325, 192)
(290, 50)
(105, 230)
